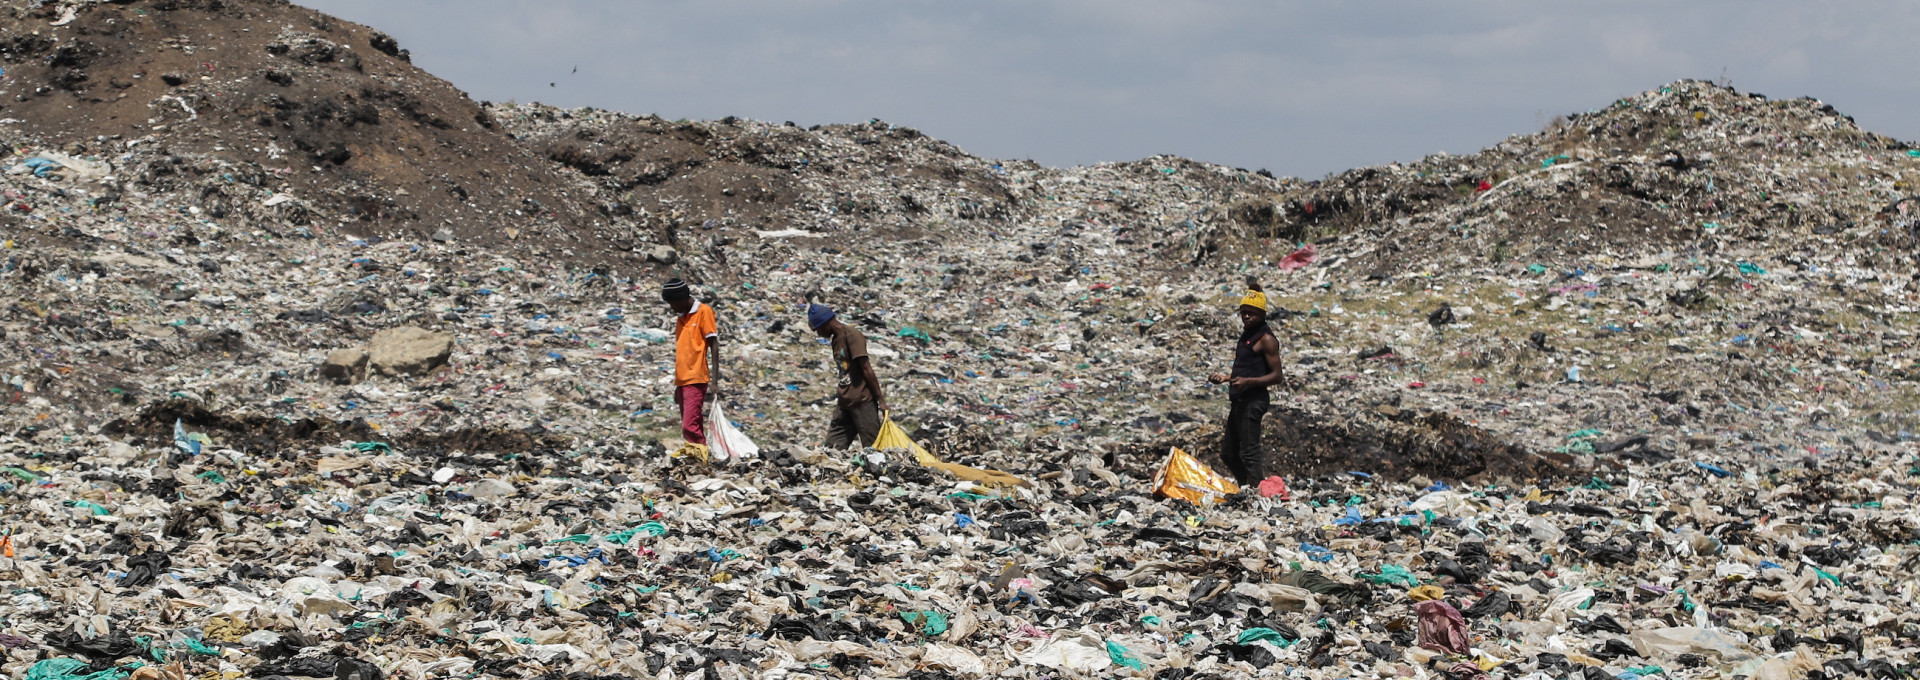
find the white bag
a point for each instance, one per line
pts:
(726, 442)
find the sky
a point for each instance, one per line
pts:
(1300, 88)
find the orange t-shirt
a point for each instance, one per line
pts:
(690, 335)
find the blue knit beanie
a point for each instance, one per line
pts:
(818, 315)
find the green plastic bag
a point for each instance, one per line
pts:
(95, 507)
(1392, 574)
(650, 529)
(70, 669)
(1268, 634)
(929, 623)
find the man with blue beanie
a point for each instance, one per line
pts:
(861, 401)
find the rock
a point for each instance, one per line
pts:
(345, 366)
(662, 255)
(408, 350)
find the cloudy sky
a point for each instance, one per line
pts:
(1301, 88)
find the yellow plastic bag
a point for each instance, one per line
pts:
(1186, 478)
(693, 451)
(892, 437)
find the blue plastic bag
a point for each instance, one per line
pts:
(1715, 469)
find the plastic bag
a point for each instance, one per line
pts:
(184, 440)
(1078, 651)
(724, 441)
(956, 659)
(1664, 643)
(1186, 478)
(1297, 259)
(892, 437)
(1783, 666)
(1441, 627)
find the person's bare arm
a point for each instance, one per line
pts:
(873, 383)
(713, 358)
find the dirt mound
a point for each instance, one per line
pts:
(267, 113)
(1304, 444)
(1433, 445)
(664, 175)
(153, 426)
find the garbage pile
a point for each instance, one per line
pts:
(1629, 396)
(361, 558)
(1689, 168)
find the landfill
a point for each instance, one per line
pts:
(316, 368)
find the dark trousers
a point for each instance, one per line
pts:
(861, 419)
(1240, 448)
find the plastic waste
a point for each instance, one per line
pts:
(503, 501)
(1298, 258)
(892, 438)
(1077, 651)
(1184, 477)
(1668, 643)
(1442, 629)
(727, 442)
(1392, 574)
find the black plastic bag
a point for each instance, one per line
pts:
(143, 569)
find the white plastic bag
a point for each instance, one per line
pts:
(1078, 651)
(726, 442)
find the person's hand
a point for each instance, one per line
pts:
(1240, 383)
(1217, 378)
(882, 406)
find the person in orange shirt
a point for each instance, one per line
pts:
(696, 358)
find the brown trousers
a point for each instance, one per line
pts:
(861, 419)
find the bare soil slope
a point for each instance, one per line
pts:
(258, 97)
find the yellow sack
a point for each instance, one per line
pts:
(690, 450)
(892, 437)
(1186, 478)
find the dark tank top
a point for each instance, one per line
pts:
(1248, 363)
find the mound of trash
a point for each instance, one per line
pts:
(361, 558)
(316, 368)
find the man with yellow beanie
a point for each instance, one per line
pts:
(1256, 365)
